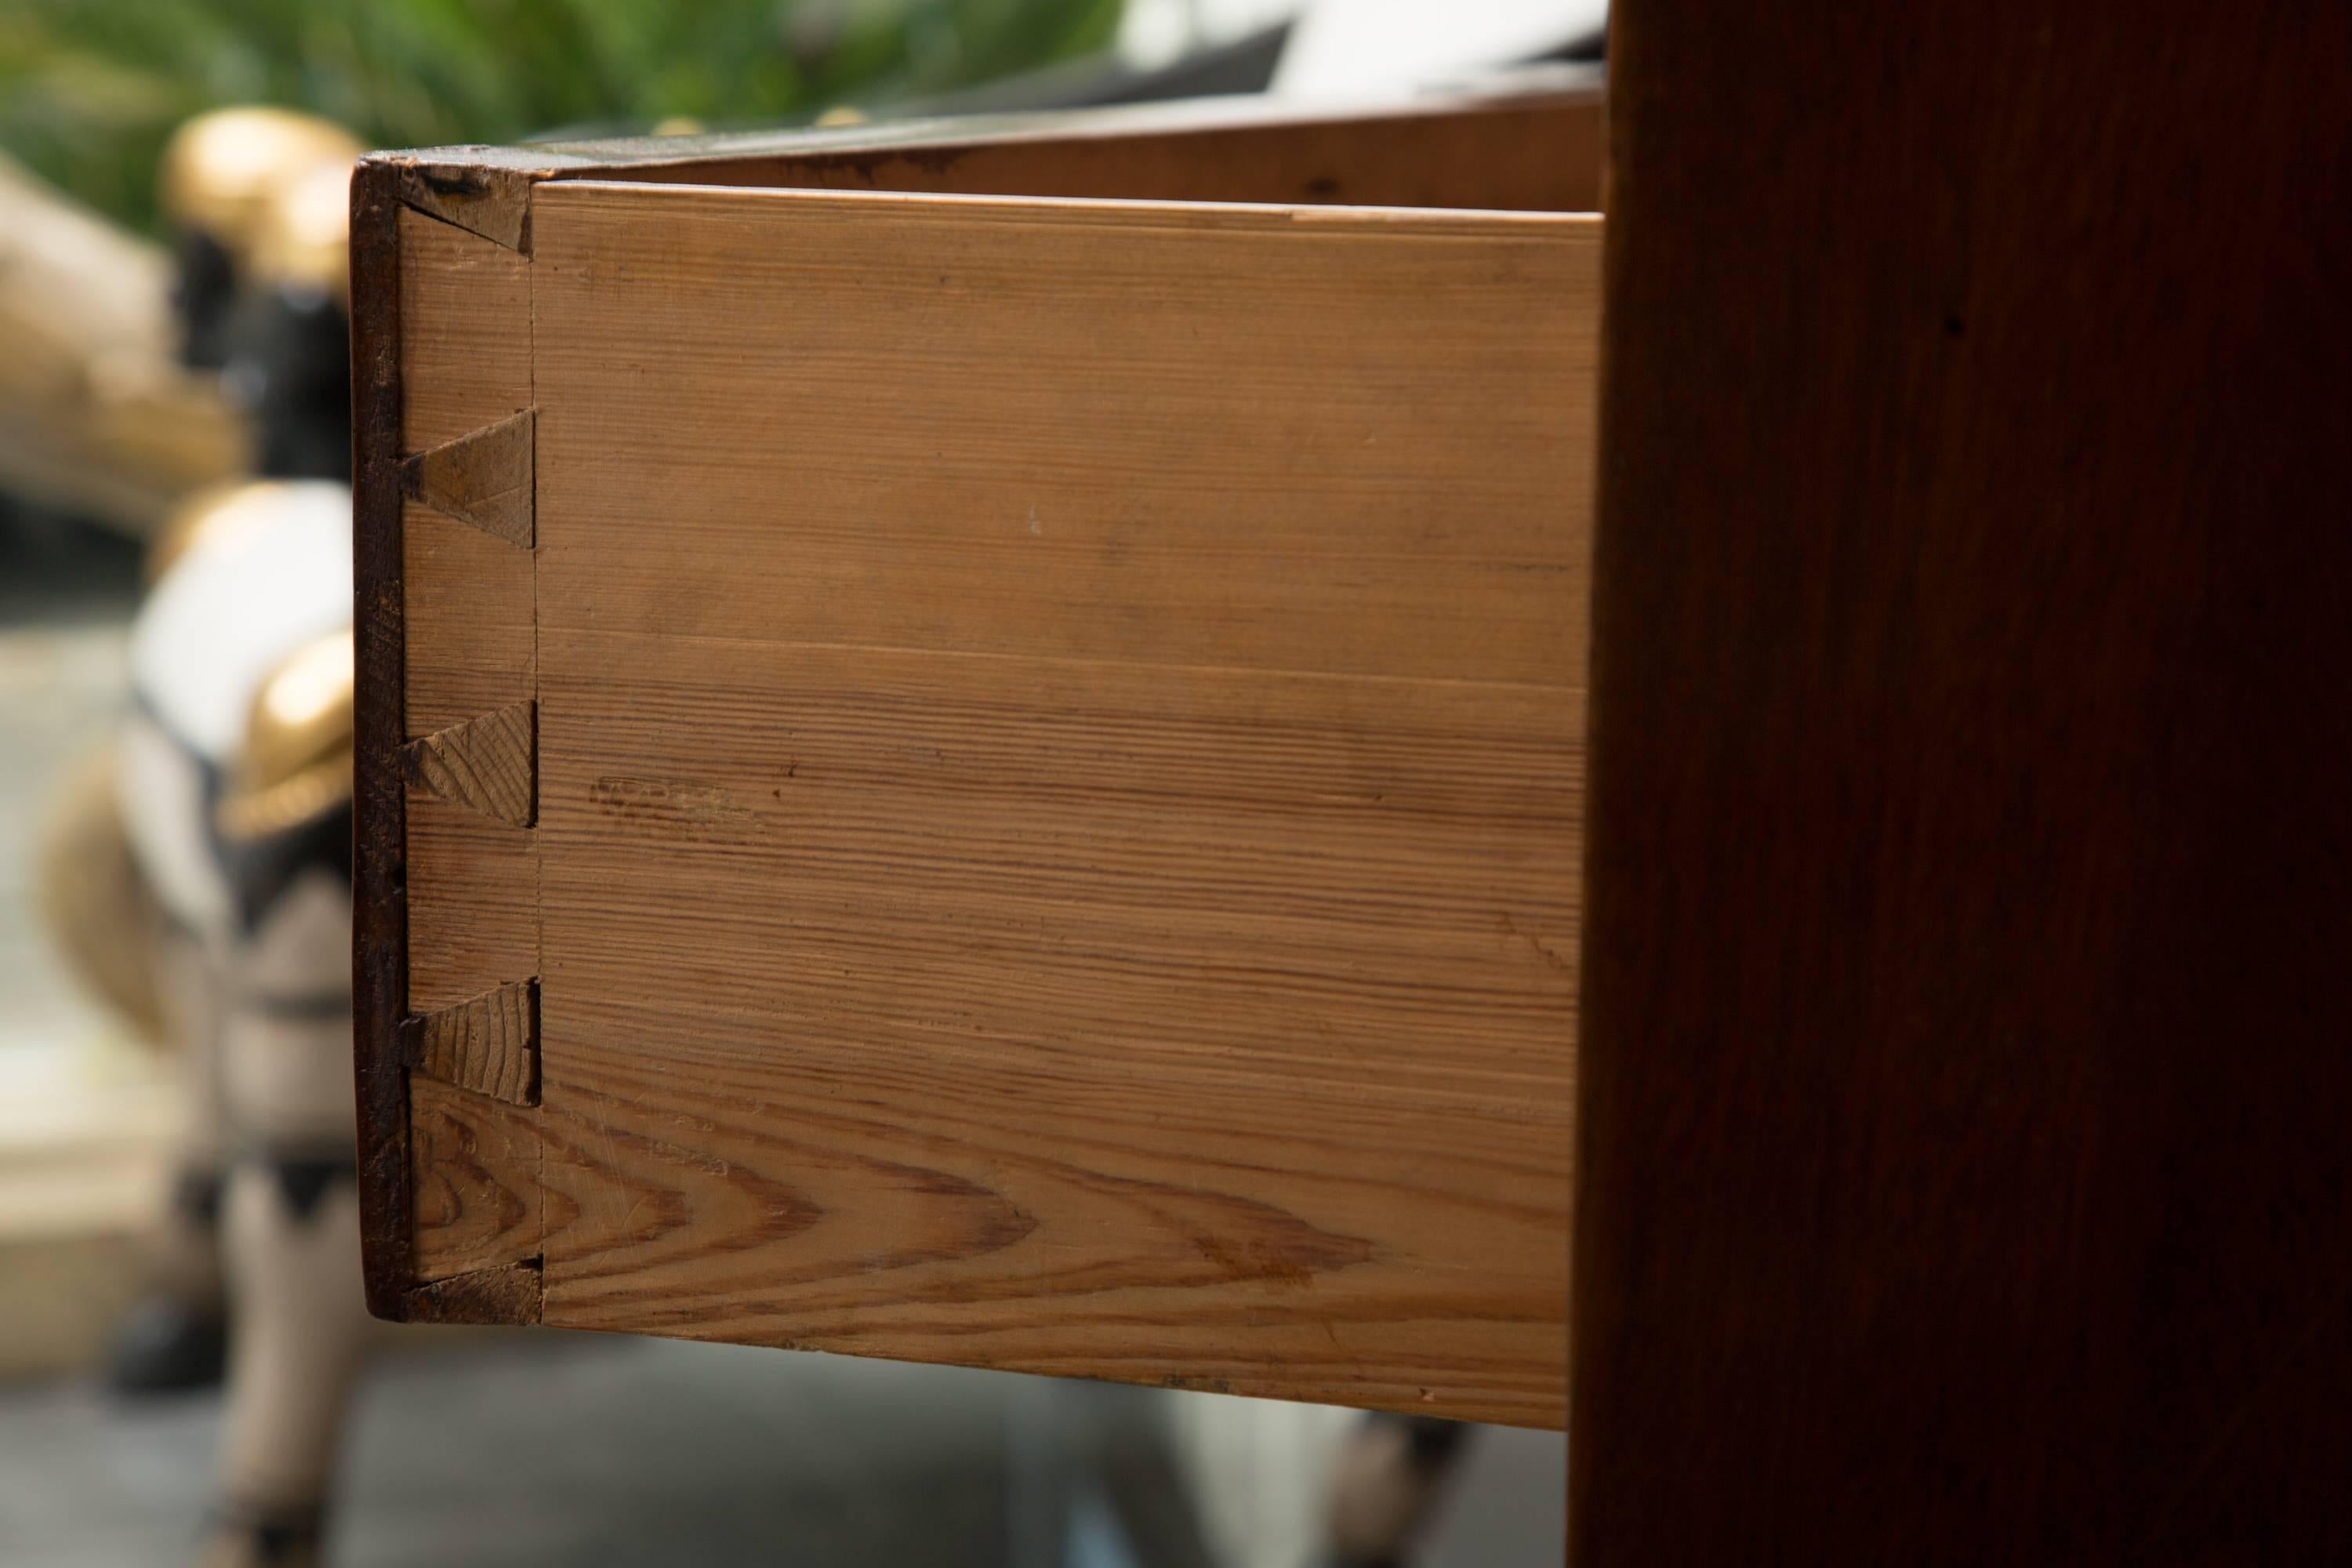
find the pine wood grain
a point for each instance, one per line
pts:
(472, 620)
(1234, 1005)
(464, 353)
(488, 196)
(473, 903)
(1060, 814)
(1060, 736)
(482, 478)
(477, 1157)
(1533, 148)
(441, 351)
(471, 626)
(1964, 1069)
(488, 1043)
(488, 763)
(465, 333)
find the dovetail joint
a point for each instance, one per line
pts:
(488, 1043)
(489, 765)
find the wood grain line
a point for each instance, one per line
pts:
(1219, 480)
(470, 614)
(483, 478)
(473, 902)
(488, 1043)
(477, 1178)
(489, 764)
(465, 333)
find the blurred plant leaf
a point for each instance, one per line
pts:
(89, 90)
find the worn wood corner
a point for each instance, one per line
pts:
(483, 477)
(491, 201)
(490, 764)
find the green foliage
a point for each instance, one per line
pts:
(90, 89)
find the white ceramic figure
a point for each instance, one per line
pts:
(234, 782)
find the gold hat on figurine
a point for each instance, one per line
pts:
(304, 232)
(220, 169)
(297, 764)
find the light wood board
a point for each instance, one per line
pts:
(1059, 774)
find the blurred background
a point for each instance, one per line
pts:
(159, 355)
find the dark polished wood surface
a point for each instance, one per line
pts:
(1964, 1172)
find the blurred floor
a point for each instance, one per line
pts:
(560, 1451)
(552, 1450)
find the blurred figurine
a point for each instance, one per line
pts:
(289, 335)
(235, 782)
(206, 886)
(97, 904)
(223, 173)
(99, 415)
(258, 199)
(1391, 1471)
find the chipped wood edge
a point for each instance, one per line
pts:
(484, 477)
(489, 765)
(510, 1294)
(487, 1044)
(482, 190)
(380, 821)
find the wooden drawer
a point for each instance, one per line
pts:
(972, 742)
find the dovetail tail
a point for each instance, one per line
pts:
(490, 764)
(493, 203)
(510, 1293)
(483, 478)
(488, 1043)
